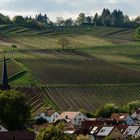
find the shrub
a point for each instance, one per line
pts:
(14, 46)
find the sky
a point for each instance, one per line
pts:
(67, 8)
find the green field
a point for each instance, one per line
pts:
(101, 65)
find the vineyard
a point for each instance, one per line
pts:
(74, 67)
(100, 65)
(91, 97)
(35, 97)
(12, 68)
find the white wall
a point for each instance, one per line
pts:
(78, 119)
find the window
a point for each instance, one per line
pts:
(103, 130)
(79, 119)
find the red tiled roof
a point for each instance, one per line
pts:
(97, 122)
(68, 115)
(50, 112)
(119, 116)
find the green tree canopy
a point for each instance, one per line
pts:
(14, 112)
(81, 19)
(54, 133)
(4, 19)
(106, 110)
(131, 107)
(68, 22)
(19, 20)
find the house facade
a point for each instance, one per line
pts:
(123, 117)
(50, 115)
(75, 118)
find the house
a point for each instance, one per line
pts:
(49, 115)
(94, 131)
(132, 131)
(109, 131)
(2, 129)
(98, 121)
(122, 127)
(73, 117)
(125, 118)
(136, 117)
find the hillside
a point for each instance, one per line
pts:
(100, 65)
(138, 33)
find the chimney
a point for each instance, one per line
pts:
(66, 117)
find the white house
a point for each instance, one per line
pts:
(123, 117)
(73, 117)
(2, 129)
(50, 115)
(132, 131)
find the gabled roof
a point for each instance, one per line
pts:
(2, 129)
(50, 112)
(95, 130)
(105, 131)
(68, 115)
(131, 130)
(122, 127)
(119, 116)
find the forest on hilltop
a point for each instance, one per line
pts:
(116, 18)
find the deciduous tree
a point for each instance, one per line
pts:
(63, 42)
(54, 133)
(14, 112)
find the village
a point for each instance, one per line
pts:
(120, 126)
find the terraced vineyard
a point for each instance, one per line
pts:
(80, 37)
(12, 68)
(91, 97)
(35, 97)
(74, 67)
(100, 65)
(44, 42)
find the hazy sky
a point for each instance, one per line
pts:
(67, 8)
